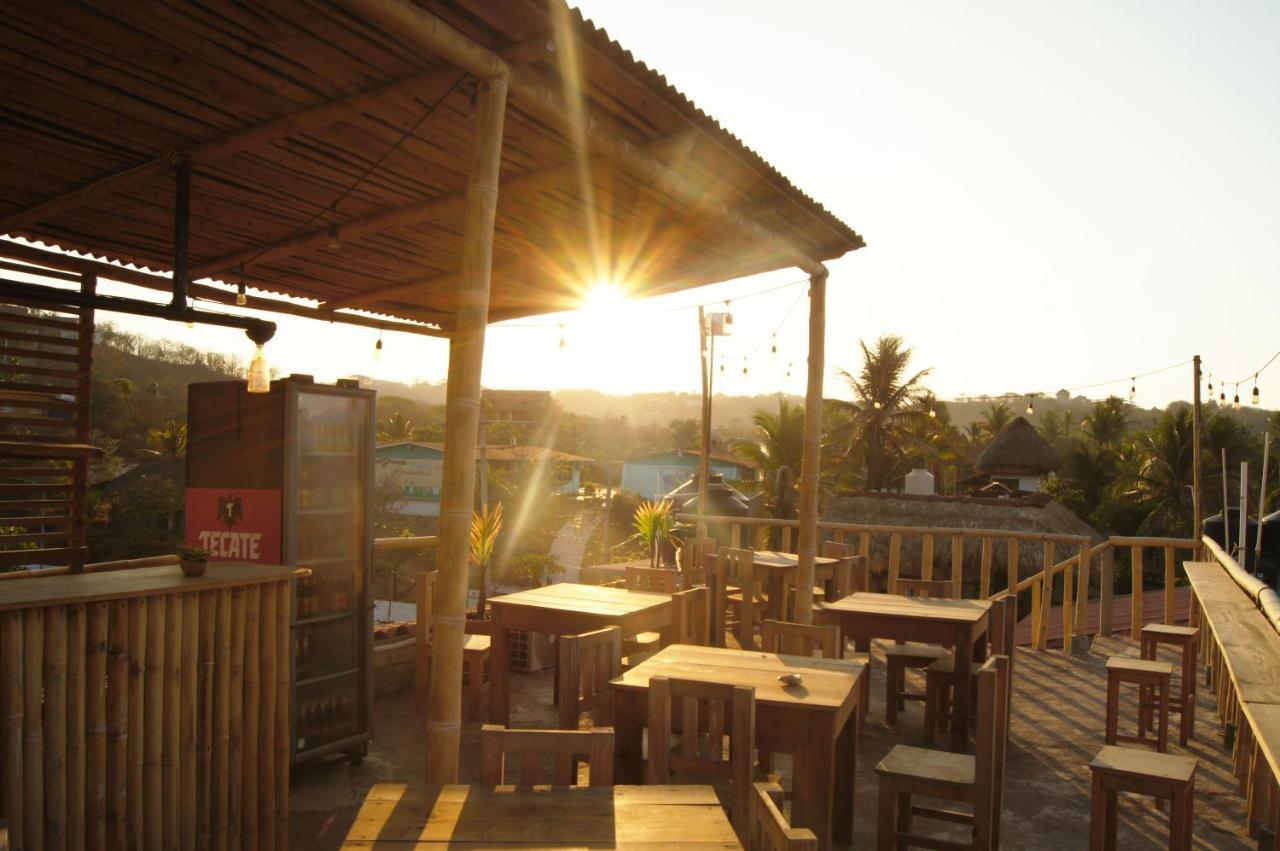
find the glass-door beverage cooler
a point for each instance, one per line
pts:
(286, 477)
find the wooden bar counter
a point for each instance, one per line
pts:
(125, 698)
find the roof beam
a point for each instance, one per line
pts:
(261, 135)
(415, 23)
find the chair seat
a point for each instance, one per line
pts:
(940, 767)
(476, 644)
(1143, 763)
(1169, 631)
(915, 650)
(1128, 664)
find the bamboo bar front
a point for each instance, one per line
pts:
(115, 688)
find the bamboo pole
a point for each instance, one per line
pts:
(283, 744)
(811, 459)
(95, 833)
(1037, 589)
(252, 698)
(189, 708)
(11, 707)
(55, 728)
(1082, 593)
(466, 356)
(926, 556)
(208, 618)
(1068, 610)
(1170, 581)
(77, 629)
(268, 654)
(33, 726)
(957, 565)
(984, 578)
(118, 689)
(895, 561)
(1197, 504)
(171, 723)
(1262, 501)
(1046, 597)
(1106, 590)
(139, 609)
(1135, 593)
(153, 729)
(1012, 568)
(235, 716)
(220, 781)
(704, 430)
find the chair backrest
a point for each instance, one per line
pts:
(564, 746)
(651, 579)
(938, 589)
(799, 639)
(847, 578)
(691, 616)
(692, 559)
(586, 664)
(989, 752)
(734, 568)
(1004, 611)
(769, 828)
(704, 713)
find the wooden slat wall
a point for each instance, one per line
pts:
(45, 368)
(114, 723)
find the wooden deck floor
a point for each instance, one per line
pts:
(1057, 727)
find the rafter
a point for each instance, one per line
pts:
(261, 135)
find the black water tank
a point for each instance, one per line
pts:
(1269, 566)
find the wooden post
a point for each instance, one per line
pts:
(984, 578)
(208, 620)
(1012, 568)
(1106, 590)
(135, 738)
(267, 653)
(188, 708)
(95, 835)
(1037, 626)
(466, 355)
(1197, 507)
(55, 727)
(1082, 593)
(32, 726)
(11, 707)
(926, 556)
(77, 643)
(1068, 610)
(248, 802)
(809, 464)
(704, 457)
(957, 565)
(172, 723)
(1170, 580)
(1135, 593)
(895, 561)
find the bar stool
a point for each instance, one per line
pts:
(1143, 673)
(1184, 702)
(1161, 775)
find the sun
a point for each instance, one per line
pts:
(603, 297)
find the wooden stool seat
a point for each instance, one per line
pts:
(1186, 639)
(897, 658)
(1146, 674)
(942, 767)
(1160, 775)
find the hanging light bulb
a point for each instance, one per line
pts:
(191, 324)
(744, 366)
(377, 348)
(775, 344)
(1210, 385)
(241, 298)
(1235, 402)
(1222, 396)
(722, 366)
(728, 320)
(258, 377)
(1133, 389)
(788, 372)
(933, 413)
(1256, 396)
(876, 404)
(1031, 406)
(335, 242)
(562, 335)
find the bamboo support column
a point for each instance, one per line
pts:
(11, 710)
(189, 674)
(95, 833)
(1135, 593)
(984, 577)
(55, 727)
(252, 685)
(1106, 590)
(809, 463)
(32, 726)
(462, 416)
(77, 643)
(1082, 592)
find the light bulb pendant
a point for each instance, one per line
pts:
(775, 344)
(933, 413)
(1031, 407)
(1211, 386)
(1133, 389)
(1222, 397)
(258, 377)
(562, 335)
(744, 366)
(241, 298)
(1256, 396)
(377, 348)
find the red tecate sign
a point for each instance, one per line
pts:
(234, 524)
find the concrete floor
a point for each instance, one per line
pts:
(1057, 727)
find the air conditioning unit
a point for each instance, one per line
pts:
(528, 652)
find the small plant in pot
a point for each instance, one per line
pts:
(195, 561)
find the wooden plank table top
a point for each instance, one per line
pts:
(75, 588)
(816, 722)
(565, 608)
(959, 624)
(778, 569)
(396, 816)
(1249, 645)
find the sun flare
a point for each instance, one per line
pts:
(603, 297)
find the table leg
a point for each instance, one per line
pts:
(846, 772)
(960, 712)
(814, 780)
(500, 673)
(628, 736)
(777, 609)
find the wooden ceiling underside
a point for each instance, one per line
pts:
(330, 156)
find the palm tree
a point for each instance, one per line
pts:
(995, 418)
(1108, 422)
(1223, 431)
(1160, 479)
(776, 449)
(874, 428)
(170, 439)
(395, 428)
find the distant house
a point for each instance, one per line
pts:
(416, 469)
(653, 476)
(1018, 457)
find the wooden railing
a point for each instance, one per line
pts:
(1031, 567)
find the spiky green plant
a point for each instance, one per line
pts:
(654, 523)
(486, 524)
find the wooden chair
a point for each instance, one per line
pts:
(565, 746)
(1116, 769)
(736, 600)
(691, 616)
(842, 583)
(899, 657)
(657, 579)
(587, 663)
(769, 828)
(940, 676)
(475, 650)
(797, 639)
(976, 780)
(1185, 639)
(1146, 674)
(703, 714)
(692, 559)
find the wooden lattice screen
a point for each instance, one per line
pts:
(45, 362)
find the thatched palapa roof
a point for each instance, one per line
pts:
(1018, 448)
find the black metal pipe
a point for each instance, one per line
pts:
(181, 229)
(257, 330)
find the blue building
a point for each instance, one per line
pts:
(653, 476)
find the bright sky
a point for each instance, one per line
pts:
(1053, 195)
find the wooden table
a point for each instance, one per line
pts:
(958, 624)
(816, 722)
(565, 608)
(777, 570)
(629, 817)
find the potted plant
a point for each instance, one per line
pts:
(486, 524)
(195, 561)
(654, 523)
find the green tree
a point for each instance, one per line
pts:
(996, 417)
(170, 439)
(776, 447)
(1160, 473)
(1108, 422)
(395, 428)
(685, 434)
(874, 429)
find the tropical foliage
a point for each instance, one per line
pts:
(486, 525)
(654, 521)
(776, 448)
